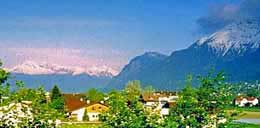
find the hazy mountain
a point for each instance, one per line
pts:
(233, 49)
(69, 79)
(33, 68)
(67, 82)
(140, 68)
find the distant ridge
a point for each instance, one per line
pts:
(67, 83)
(233, 49)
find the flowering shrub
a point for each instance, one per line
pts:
(25, 107)
(28, 114)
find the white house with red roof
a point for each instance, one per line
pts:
(76, 108)
(246, 101)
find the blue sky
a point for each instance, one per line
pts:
(98, 32)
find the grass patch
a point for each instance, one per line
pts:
(249, 109)
(250, 115)
(246, 112)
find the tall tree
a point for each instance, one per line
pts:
(148, 90)
(133, 90)
(55, 93)
(57, 100)
(94, 95)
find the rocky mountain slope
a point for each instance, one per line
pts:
(233, 49)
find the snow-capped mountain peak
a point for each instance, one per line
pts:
(102, 70)
(238, 38)
(33, 68)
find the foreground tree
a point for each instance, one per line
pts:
(126, 110)
(28, 108)
(205, 106)
(4, 87)
(187, 112)
(4, 75)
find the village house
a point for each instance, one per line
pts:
(246, 101)
(94, 110)
(160, 101)
(76, 108)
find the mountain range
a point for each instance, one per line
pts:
(233, 49)
(33, 68)
(69, 79)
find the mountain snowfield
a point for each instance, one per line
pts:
(33, 68)
(238, 38)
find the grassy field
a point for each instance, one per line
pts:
(96, 126)
(80, 125)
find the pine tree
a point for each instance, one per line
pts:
(57, 100)
(55, 93)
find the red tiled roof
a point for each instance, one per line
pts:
(239, 98)
(250, 98)
(77, 101)
(74, 102)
